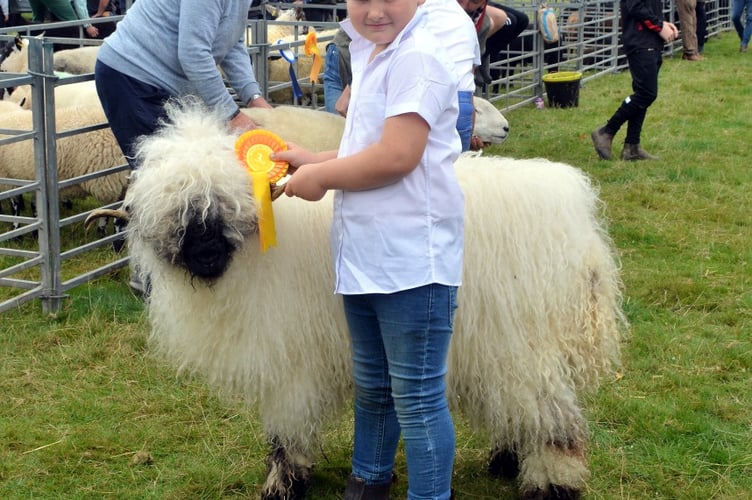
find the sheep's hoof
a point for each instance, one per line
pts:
(504, 464)
(553, 492)
(285, 479)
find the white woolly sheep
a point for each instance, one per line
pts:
(320, 131)
(539, 317)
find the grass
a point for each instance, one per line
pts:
(88, 413)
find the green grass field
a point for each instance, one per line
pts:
(87, 413)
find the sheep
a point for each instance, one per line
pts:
(68, 95)
(76, 61)
(277, 31)
(321, 131)
(8, 48)
(76, 155)
(279, 68)
(539, 318)
(313, 129)
(14, 56)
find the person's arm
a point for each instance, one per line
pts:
(392, 157)
(651, 21)
(102, 9)
(4, 9)
(79, 7)
(198, 31)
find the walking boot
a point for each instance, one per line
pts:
(357, 489)
(633, 152)
(602, 142)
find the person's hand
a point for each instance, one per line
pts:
(242, 122)
(343, 102)
(294, 155)
(476, 143)
(259, 102)
(669, 32)
(92, 31)
(304, 183)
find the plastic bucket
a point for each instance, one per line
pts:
(563, 88)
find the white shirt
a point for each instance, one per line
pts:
(454, 29)
(410, 233)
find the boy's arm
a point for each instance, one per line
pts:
(392, 157)
(644, 15)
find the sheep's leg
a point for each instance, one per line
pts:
(120, 226)
(288, 474)
(557, 472)
(17, 205)
(504, 463)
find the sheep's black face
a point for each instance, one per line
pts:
(206, 252)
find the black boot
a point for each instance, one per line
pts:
(632, 152)
(357, 489)
(602, 142)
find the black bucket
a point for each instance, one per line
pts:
(563, 88)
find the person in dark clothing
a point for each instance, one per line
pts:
(644, 32)
(497, 26)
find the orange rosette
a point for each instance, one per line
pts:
(253, 149)
(312, 49)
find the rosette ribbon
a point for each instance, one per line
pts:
(312, 49)
(289, 56)
(253, 149)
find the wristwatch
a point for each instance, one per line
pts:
(254, 97)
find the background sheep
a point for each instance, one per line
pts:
(76, 155)
(539, 315)
(279, 68)
(14, 59)
(76, 61)
(321, 131)
(69, 95)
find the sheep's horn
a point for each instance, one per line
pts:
(277, 191)
(105, 212)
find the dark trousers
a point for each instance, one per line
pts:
(702, 25)
(132, 107)
(644, 66)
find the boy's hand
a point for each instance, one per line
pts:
(669, 33)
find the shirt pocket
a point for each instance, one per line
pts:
(368, 120)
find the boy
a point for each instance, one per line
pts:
(397, 241)
(644, 33)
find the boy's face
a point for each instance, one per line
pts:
(380, 21)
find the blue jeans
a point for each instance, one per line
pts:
(743, 30)
(400, 343)
(465, 118)
(332, 81)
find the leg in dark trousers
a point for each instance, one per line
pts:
(499, 41)
(133, 108)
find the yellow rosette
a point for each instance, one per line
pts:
(312, 49)
(253, 149)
